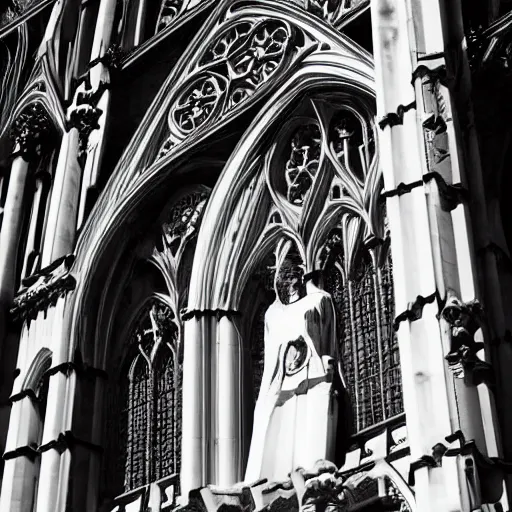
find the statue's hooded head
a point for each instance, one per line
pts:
(289, 276)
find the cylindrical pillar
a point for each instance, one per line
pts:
(51, 493)
(31, 133)
(229, 408)
(195, 390)
(11, 230)
(33, 246)
(101, 42)
(62, 217)
(22, 462)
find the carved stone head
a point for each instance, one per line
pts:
(289, 278)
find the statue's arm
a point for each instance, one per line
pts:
(329, 336)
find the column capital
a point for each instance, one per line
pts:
(31, 131)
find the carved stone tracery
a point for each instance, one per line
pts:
(197, 105)
(169, 11)
(183, 220)
(303, 163)
(240, 60)
(330, 11)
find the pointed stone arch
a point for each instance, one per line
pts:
(324, 62)
(40, 364)
(233, 237)
(141, 172)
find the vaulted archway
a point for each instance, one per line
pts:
(307, 86)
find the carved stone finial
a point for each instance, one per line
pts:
(465, 318)
(31, 132)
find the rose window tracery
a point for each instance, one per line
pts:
(257, 62)
(197, 105)
(240, 61)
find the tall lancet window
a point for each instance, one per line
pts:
(363, 297)
(138, 415)
(145, 426)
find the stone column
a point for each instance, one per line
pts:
(54, 448)
(65, 200)
(102, 40)
(228, 443)
(60, 232)
(482, 231)
(31, 133)
(196, 391)
(21, 457)
(22, 460)
(39, 204)
(417, 170)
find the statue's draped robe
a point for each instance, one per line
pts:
(295, 418)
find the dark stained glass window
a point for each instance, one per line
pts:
(368, 344)
(139, 411)
(166, 433)
(143, 407)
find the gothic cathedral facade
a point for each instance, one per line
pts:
(255, 255)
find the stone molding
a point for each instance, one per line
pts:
(482, 472)
(23, 451)
(215, 313)
(66, 440)
(42, 290)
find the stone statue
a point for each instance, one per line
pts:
(295, 418)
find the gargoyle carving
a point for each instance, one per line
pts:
(85, 115)
(465, 318)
